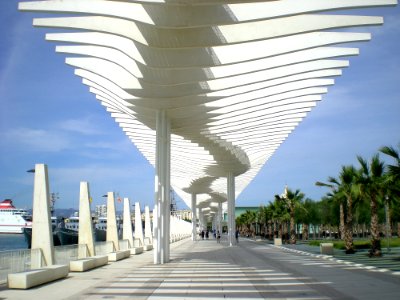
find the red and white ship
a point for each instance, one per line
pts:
(13, 220)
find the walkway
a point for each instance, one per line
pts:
(207, 270)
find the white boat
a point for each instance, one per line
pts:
(13, 220)
(101, 228)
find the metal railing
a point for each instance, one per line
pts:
(14, 261)
(64, 254)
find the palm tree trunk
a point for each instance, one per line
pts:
(270, 236)
(305, 232)
(341, 226)
(388, 221)
(398, 229)
(348, 229)
(292, 229)
(280, 230)
(375, 239)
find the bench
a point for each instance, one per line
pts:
(84, 264)
(118, 255)
(147, 245)
(326, 248)
(136, 250)
(135, 247)
(31, 278)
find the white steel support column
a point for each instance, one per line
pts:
(231, 209)
(194, 217)
(219, 218)
(147, 225)
(201, 220)
(162, 189)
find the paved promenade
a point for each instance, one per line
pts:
(207, 270)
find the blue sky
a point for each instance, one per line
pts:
(48, 116)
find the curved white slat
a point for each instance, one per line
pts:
(235, 77)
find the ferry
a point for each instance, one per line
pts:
(12, 219)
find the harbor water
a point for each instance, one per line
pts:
(12, 242)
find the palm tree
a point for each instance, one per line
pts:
(393, 180)
(371, 183)
(327, 212)
(348, 189)
(306, 216)
(278, 216)
(239, 221)
(268, 220)
(247, 219)
(315, 217)
(336, 197)
(292, 201)
(393, 170)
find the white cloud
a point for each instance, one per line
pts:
(36, 139)
(107, 145)
(130, 180)
(85, 126)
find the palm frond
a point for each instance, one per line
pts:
(390, 151)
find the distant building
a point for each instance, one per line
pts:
(241, 210)
(184, 214)
(101, 210)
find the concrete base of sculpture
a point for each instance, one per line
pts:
(118, 255)
(326, 248)
(85, 264)
(278, 242)
(147, 247)
(136, 250)
(31, 278)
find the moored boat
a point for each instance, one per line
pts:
(54, 222)
(68, 231)
(12, 219)
(100, 228)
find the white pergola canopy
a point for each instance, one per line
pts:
(234, 78)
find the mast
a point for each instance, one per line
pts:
(53, 198)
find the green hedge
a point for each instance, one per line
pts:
(358, 244)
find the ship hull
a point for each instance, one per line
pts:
(28, 237)
(100, 235)
(67, 236)
(11, 229)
